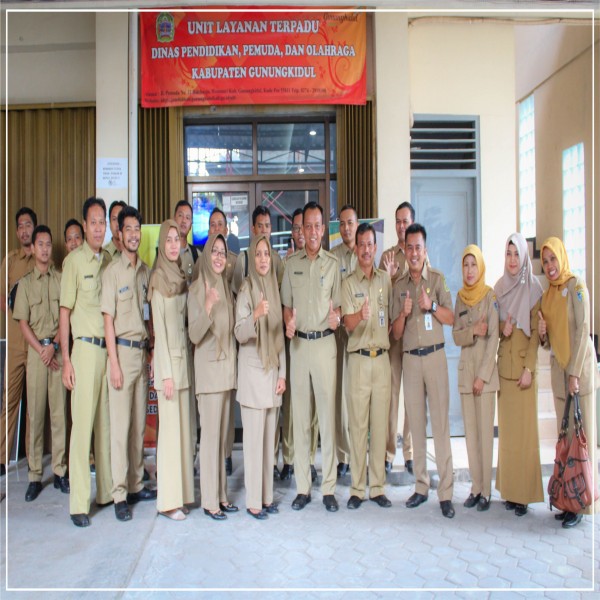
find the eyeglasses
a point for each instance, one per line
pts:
(296, 228)
(218, 253)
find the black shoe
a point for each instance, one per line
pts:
(104, 504)
(122, 511)
(415, 500)
(62, 484)
(80, 520)
(33, 491)
(561, 515)
(388, 466)
(471, 501)
(2, 470)
(520, 510)
(93, 469)
(483, 504)
(331, 504)
(143, 494)
(343, 469)
(447, 508)
(286, 472)
(381, 500)
(571, 519)
(217, 516)
(354, 502)
(508, 505)
(408, 465)
(272, 508)
(146, 476)
(228, 466)
(300, 501)
(261, 516)
(228, 508)
(313, 473)
(276, 474)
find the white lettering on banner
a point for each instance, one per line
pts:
(242, 27)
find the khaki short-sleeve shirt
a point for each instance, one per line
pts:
(124, 290)
(81, 290)
(371, 334)
(112, 250)
(309, 286)
(417, 333)
(37, 302)
(347, 260)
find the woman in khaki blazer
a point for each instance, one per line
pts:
(564, 327)
(261, 365)
(476, 332)
(210, 322)
(167, 293)
(519, 472)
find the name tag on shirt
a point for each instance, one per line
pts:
(463, 313)
(381, 317)
(428, 322)
(123, 289)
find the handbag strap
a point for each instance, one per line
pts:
(564, 426)
(577, 417)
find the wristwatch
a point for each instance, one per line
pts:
(434, 306)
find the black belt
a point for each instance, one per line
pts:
(49, 342)
(370, 353)
(313, 335)
(425, 351)
(131, 343)
(94, 340)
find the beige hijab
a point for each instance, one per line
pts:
(222, 311)
(269, 339)
(167, 276)
(517, 294)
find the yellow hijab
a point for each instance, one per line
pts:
(473, 294)
(554, 304)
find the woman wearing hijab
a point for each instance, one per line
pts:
(261, 365)
(167, 293)
(476, 332)
(210, 322)
(519, 473)
(564, 327)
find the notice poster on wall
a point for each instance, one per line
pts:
(213, 58)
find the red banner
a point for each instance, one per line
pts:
(209, 58)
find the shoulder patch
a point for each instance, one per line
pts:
(580, 292)
(446, 288)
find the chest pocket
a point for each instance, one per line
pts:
(125, 301)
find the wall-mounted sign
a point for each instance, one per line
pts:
(111, 173)
(210, 58)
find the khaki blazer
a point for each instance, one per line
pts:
(212, 374)
(170, 341)
(478, 354)
(256, 387)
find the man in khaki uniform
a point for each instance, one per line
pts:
(115, 246)
(189, 254)
(126, 314)
(16, 265)
(310, 294)
(394, 261)
(366, 301)
(347, 263)
(84, 372)
(422, 305)
(73, 234)
(36, 310)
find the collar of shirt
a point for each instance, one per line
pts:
(302, 253)
(424, 274)
(362, 276)
(90, 255)
(127, 263)
(38, 274)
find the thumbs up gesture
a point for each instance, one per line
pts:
(408, 305)
(542, 326)
(508, 327)
(365, 312)
(333, 318)
(480, 328)
(290, 326)
(212, 297)
(424, 300)
(262, 308)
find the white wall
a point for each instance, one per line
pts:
(468, 69)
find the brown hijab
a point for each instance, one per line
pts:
(222, 311)
(269, 338)
(167, 276)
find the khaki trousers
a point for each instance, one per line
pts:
(89, 411)
(368, 410)
(313, 364)
(214, 418)
(175, 481)
(127, 408)
(259, 433)
(230, 426)
(426, 383)
(397, 409)
(341, 398)
(14, 381)
(45, 386)
(478, 416)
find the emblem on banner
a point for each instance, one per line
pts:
(165, 27)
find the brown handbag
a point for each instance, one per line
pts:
(571, 487)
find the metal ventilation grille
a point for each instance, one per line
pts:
(443, 145)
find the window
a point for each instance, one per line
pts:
(574, 208)
(527, 223)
